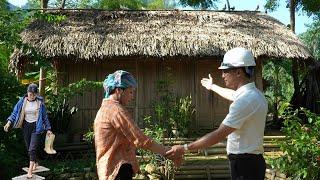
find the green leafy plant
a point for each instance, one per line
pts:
(11, 144)
(59, 110)
(301, 148)
(153, 164)
(312, 37)
(181, 115)
(172, 113)
(51, 18)
(89, 136)
(279, 87)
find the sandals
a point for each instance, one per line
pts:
(29, 177)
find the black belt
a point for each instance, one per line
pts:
(244, 156)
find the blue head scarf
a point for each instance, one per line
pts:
(119, 79)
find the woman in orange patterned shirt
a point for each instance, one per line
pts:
(116, 134)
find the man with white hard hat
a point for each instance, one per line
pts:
(245, 122)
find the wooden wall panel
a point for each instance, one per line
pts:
(211, 108)
(204, 114)
(187, 74)
(146, 91)
(90, 102)
(181, 75)
(74, 74)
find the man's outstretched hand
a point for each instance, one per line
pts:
(207, 82)
(176, 154)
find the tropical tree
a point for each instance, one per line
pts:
(11, 24)
(123, 4)
(310, 7)
(312, 38)
(34, 4)
(101, 4)
(280, 89)
(201, 4)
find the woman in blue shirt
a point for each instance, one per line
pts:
(30, 114)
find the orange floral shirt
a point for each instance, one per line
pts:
(116, 139)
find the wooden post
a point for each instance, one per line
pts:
(137, 93)
(42, 82)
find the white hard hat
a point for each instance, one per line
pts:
(237, 57)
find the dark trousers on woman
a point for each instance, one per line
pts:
(31, 139)
(247, 166)
(125, 172)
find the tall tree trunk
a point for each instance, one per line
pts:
(228, 5)
(44, 4)
(63, 3)
(295, 66)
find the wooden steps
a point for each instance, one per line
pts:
(212, 163)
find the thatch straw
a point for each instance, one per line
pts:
(92, 35)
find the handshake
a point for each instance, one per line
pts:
(175, 153)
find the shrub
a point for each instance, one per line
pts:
(12, 148)
(301, 148)
(57, 101)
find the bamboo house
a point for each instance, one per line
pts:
(188, 45)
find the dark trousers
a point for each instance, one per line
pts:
(125, 172)
(31, 139)
(247, 166)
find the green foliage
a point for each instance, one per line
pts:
(51, 18)
(280, 87)
(12, 152)
(11, 24)
(312, 38)
(201, 4)
(57, 98)
(89, 136)
(301, 159)
(34, 4)
(157, 4)
(153, 129)
(181, 115)
(164, 100)
(11, 146)
(157, 133)
(68, 3)
(10, 89)
(308, 6)
(70, 166)
(171, 111)
(85, 4)
(128, 4)
(271, 5)
(121, 4)
(112, 4)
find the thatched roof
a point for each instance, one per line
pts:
(96, 35)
